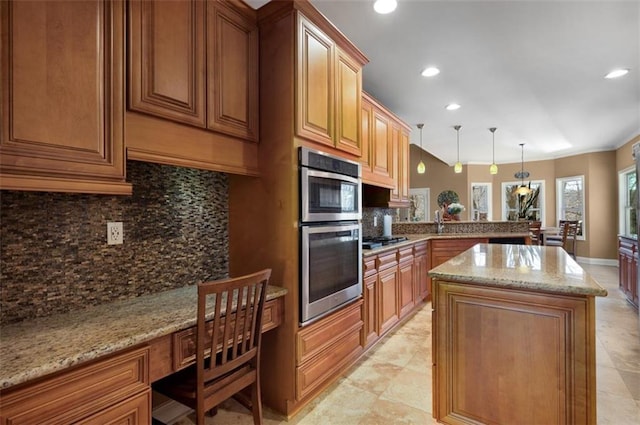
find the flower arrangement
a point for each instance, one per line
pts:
(447, 197)
(455, 208)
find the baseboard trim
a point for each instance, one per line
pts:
(598, 261)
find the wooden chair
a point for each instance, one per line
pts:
(567, 237)
(535, 228)
(235, 344)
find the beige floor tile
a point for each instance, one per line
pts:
(613, 410)
(386, 412)
(411, 388)
(632, 380)
(608, 380)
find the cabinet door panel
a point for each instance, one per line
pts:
(365, 138)
(166, 59)
(382, 157)
(61, 97)
(389, 313)
(404, 166)
(232, 59)
(315, 97)
(348, 100)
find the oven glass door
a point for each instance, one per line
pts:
(329, 197)
(331, 268)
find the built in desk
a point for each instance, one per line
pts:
(96, 365)
(514, 337)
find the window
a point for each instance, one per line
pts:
(527, 207)
(570, 200)
(418, 210)
(480, 201)
(627, 184)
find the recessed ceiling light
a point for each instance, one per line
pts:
(617, 73)
(430, 71)
(452, 107)
(385, 6)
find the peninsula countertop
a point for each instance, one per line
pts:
(413, 238)
(527, 267)
(38, 347)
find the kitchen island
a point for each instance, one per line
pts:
(514, 337)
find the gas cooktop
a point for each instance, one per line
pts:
(377, 242)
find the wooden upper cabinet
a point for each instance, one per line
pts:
(315, 94)
(166, 59)
(329, 91)
(61, 97)
(348, 103)
(232, 60)
(382, 146)
(404, 165)
(195, 62)
(365, 138)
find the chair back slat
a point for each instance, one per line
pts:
(237, 322)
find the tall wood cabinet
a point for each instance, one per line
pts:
(62, 96)
(628, 268)
(195, 62)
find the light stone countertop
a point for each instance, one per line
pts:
(34, 348)
(411, 239)
(529, 267)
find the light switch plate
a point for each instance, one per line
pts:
(114, 233)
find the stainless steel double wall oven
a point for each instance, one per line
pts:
(330, 230)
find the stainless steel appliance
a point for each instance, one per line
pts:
(331, 268)
(330, 243)
(329, 188)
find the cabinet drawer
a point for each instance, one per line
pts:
(313, 373)
(73, 396)
(385, 261)
(133, 411)
(405, 254)
(184, 342)
(317, 337)
(369, 266)
(420, 248)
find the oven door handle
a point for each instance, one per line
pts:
(328, 175)
(324, 228)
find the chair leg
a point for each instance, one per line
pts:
(256, 402)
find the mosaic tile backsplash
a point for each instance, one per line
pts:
(55, 257)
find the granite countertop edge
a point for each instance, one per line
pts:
(415, 238)
(496, 282)
(34, 348)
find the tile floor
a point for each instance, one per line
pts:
(392, 383)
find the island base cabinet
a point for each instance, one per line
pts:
(511, 356)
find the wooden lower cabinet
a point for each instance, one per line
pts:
(505, 356)
(326, 347)
(370, 297)
(628, 268)
(113, 390)
(444, 249)
(388, 291)
(406, 271)
(421, 281)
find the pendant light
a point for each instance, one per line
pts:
(493, 169)
(522, 190)
(421, 166)
(458, 167)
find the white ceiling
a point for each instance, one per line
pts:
(533, 69)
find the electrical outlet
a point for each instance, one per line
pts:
(114, 233)
(375, 221)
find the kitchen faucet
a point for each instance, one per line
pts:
(439, 221)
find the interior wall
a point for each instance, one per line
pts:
(624, 154)
(438, 176)
(55, 257)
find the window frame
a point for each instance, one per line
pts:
(489, 211)
(541, 198)
(623, 205)
(559, 203)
